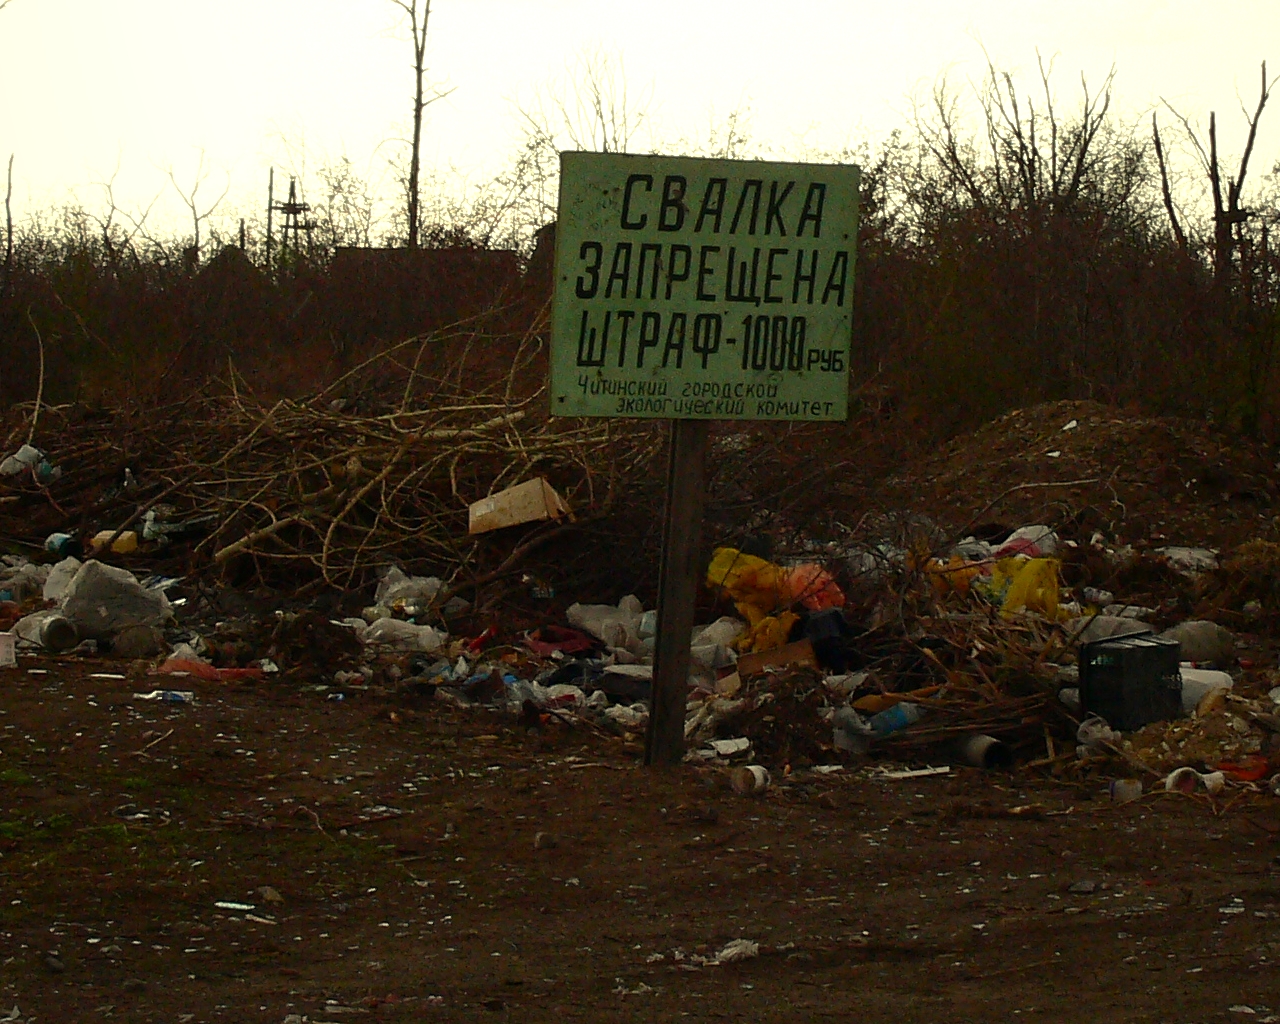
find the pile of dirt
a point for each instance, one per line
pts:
(1245, 590)
(1136, 478)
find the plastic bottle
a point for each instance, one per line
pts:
(50, 629)
(58, 633)
(901, 715)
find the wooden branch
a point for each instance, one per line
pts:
(1238, 184)
(1164, 187)
(249, 539)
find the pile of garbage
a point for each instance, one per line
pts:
(978, 652)
(76, 605)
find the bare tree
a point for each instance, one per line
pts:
(419, 13)
(1165, 189)
(1032, 158)
(591, 109)
(114, 235)
(8, 224)
(1229, 216)
(189, 198)
(346, 213)
(8, 209)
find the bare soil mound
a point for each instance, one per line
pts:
(1135, 477)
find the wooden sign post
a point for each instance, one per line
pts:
(678, 576)
(696, 290)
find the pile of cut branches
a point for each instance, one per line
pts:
(324, 490)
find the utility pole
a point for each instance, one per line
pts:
(271, 185)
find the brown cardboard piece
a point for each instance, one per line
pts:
(529, 502)
(798, 653)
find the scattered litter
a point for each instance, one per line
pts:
(1125, 791)
(736, 950)
(620, 988)
(915, 773)
(168, 696)
(1197, 683)
(228, 905)
(1189, 561)
(29, 459)
(749, 780)
(1188, 780)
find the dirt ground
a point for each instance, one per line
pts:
(404, 863)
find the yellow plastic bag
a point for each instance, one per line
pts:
(768, 634)
(952, 576)
(756, 587)
(763, 593)
(1032, 586)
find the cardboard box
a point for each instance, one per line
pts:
(530, 502)
(798, 653)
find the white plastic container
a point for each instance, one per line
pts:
(1199, 682)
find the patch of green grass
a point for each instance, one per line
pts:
(12, 830)
(114, 833)
(136, 783)
(182, 797)
(15, 777)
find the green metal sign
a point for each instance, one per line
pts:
(703, 289)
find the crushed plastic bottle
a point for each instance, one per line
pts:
(901, 715)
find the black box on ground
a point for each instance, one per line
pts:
(1131, 680)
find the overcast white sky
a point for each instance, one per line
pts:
(87, 84)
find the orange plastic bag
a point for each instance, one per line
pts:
(814, 587)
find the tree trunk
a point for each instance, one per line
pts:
(419, 104)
